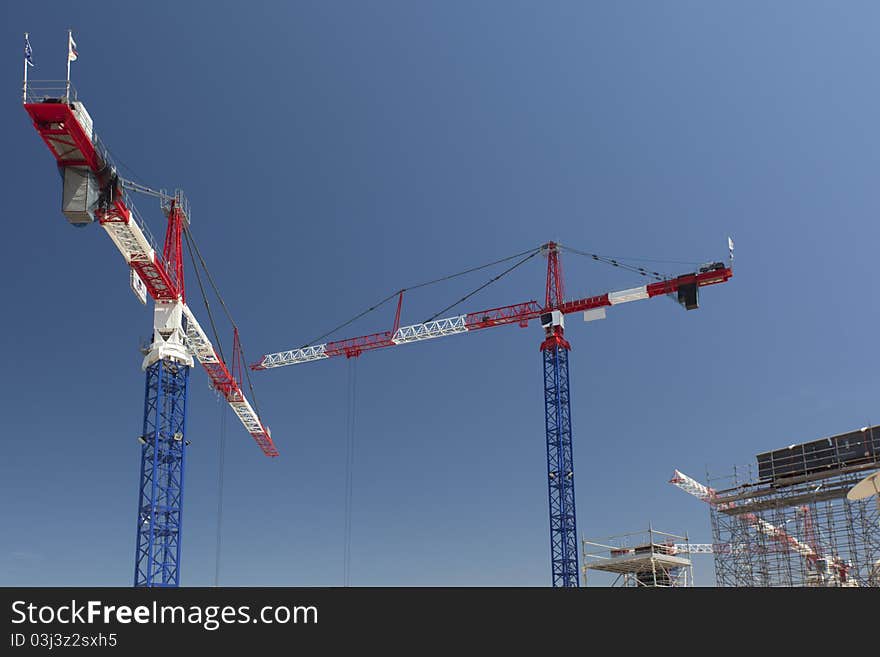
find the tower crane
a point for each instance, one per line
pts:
(808, 550)
(554, 348)
(93, 191)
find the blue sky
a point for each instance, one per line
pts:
(336, 151)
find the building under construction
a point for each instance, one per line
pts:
(788, 522)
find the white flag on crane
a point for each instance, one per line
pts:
(71, 48)
(28, 51)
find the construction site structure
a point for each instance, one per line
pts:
(788, 522)
(554, 347)
(652, 558)
(94, 193)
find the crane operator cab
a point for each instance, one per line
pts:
(549, 321)
(688, 294)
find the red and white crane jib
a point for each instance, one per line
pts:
(521, 313)
(129, 238)
(66, 128)
(692, 487)
(685, 286)
(226, 384)
(706, 494)
(61, 126)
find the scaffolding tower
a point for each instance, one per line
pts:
(796, 528)
(651, 559)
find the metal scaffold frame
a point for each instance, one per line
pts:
(647, 559)
(163, 460)
(838, 540)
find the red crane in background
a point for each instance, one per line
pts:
(554, 347)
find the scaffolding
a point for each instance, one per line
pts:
(652, 559)
(795, 529)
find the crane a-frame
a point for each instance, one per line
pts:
(93, 191)
(554, 348)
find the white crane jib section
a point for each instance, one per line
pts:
(130, 239)
(428, 330)
(196, 339)
(200, 346)
(695, 548)
(692, 486)
(403, 335)
(294, 356)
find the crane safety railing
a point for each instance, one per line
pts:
(165, 198)
(48, 91)
(60, 91)
(139, 220)
(180, 200)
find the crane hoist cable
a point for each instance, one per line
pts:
(191, 241)
(204, 295)
(220, 475)
(352, 396)
(618, 262)
(349, 467)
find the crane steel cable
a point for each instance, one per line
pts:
(634, 259)
(191, 240)
(615, 262)
(416, 287)
(349, 467)
(115, 158)
(221, 466)
(210, 278)
(204, 295)
(484, 285)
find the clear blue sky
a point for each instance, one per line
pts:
(334, 152)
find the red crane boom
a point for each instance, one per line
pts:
(684, 285)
